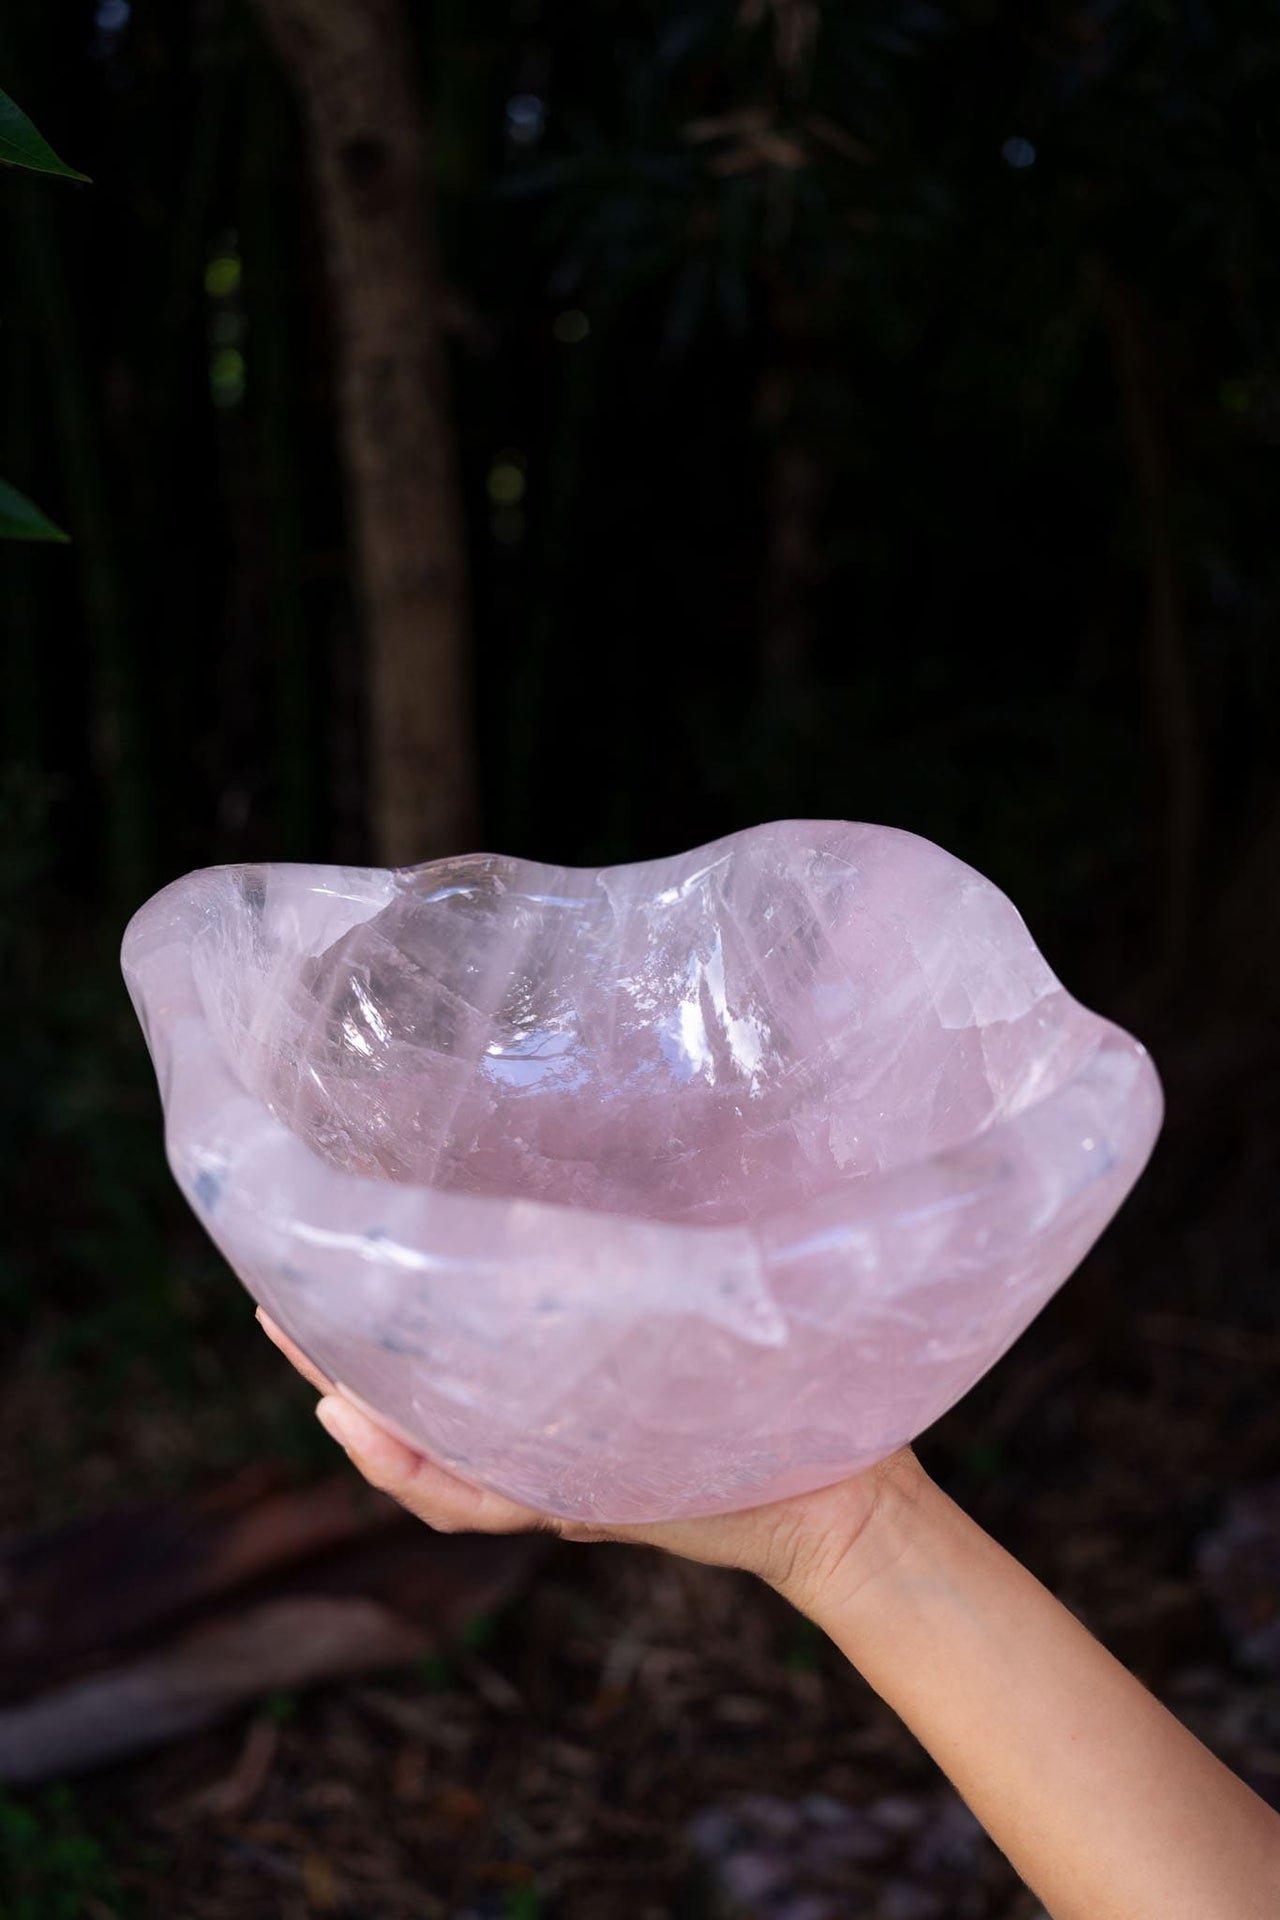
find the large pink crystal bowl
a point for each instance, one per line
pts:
(647, 1190)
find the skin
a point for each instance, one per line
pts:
(1104, 1803)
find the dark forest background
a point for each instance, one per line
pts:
(578, 429)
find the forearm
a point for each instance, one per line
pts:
(1104, 1803)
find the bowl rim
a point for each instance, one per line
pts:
(156, 959)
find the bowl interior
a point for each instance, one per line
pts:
(695, 1040)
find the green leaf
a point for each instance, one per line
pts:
(22, 146)
(20, 520)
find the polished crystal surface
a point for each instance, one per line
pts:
(647, 1190)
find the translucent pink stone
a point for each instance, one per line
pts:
(649, 1190)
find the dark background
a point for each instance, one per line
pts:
(866, 411)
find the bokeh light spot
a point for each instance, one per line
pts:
(571, 326)
(226, 377)
(222, 276)
(526, 118)
(506, 483)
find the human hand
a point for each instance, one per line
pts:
(812, 1547)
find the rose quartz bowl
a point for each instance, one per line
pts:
(640, 1191)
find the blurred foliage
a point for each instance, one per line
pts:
(797, 432)
(51, 1866)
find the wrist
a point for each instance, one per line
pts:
(848, 1538)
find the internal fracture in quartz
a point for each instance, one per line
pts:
(642, 1190)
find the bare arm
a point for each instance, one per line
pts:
(1104, 1802)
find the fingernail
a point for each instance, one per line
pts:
(337, 1421)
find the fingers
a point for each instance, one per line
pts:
(428, 1491)
(294, 1354)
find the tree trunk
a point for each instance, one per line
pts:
(352, 65)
